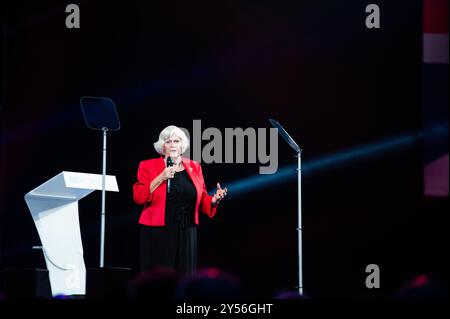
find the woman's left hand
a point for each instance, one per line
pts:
(220, 194)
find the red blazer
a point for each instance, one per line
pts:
(155, 203)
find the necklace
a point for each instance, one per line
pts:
(179, 166)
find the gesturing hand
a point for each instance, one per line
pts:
(220, 194)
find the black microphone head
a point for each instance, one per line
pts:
(169, 161)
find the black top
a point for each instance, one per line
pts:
(180, 202)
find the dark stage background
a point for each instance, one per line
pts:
(312, 65)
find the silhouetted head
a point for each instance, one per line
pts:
(290, 294)
(210, 283)
(424, 287)
(156, 283)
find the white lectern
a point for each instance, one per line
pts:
(54, 208)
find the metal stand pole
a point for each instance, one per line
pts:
(102, 230)
(298, 154)
(299, 228)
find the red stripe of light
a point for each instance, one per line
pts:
(435, 16)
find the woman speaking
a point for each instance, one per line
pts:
(172, 190)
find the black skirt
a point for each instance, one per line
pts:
(175, 244)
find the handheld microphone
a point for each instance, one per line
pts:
(169, 164)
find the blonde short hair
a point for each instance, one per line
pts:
(168, 132)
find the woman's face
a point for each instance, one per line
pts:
(172, 146)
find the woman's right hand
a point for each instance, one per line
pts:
(167, 173)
